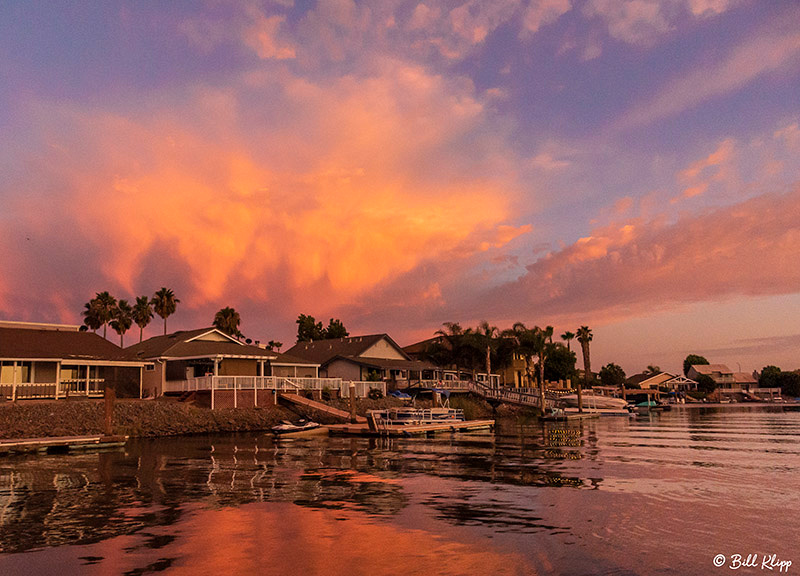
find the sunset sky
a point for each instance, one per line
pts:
(629, 165)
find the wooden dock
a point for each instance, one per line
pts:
(567, 417)
(314, 405)
(409, 429)
(60, 444)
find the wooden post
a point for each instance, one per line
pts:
(353, 418)
(58, 378)
(14, 384)
(110, 395)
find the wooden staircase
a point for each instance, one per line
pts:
(320, 406)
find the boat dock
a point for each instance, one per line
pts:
(360, 429)
(60, 444)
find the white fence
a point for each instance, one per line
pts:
(279, 383)
(75, 387)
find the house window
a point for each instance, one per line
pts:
(150, 368)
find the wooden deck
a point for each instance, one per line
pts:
(409, 429)
(60, 443)
(313, 404)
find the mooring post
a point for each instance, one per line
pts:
(352, 403)
(110, 395)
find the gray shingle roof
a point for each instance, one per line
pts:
(177, 345)
(32, 344)
(322, 351)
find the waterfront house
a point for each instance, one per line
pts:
(422, 351)
(650, 381)
(39, 360)
(722, 376)
(364, 358)
(207, 358)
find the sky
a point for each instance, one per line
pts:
(630, 165)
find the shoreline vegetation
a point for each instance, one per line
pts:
(167, 417)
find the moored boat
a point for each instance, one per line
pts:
(286, 427)
(416, 416)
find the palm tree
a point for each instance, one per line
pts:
(274, 345)
(451, 349)
(104, 305)
(123, 319)
(142, 313)
(228, 320)
(531, 342)
(584, 335)
(651, 369)
(164, 304)
(90, 318)
(487, 334)
(566, 337)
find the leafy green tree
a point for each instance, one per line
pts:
(706, 384)
(308, 329)
(612, 375)
(142, 313)
(164, 304)
(530, 343)
(335, 329)
(692, 360)
(769, 377)
(560, 363)
(790, 384)
(122, 319)
(228, 320)
(451, 348)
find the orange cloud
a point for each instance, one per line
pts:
(745, 249)
(372, 178)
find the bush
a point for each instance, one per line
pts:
(326, 393)
(375, 394)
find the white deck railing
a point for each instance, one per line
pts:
(280, 383)
(31, 390)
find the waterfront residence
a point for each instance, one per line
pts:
(722, 376)
(208, 360)
(375, 357)
(421, 351)
(40, 360)
(650, 381)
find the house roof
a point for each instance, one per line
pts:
(17, 343)
(421, 347)
(190, 344)
(711, 368)
(322, 351)
(744, 378)
(291, 360)
(386, 363)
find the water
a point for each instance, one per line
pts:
(659, 495)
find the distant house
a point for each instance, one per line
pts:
(53, 360)
(362, 358)
(421, 351)
(723, 377)
(185, 356)
(650, 381)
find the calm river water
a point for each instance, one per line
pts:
(663, 494)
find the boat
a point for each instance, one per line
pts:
(286, 427)
(416, 416)
(595, 401)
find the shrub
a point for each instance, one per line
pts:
(375, 394)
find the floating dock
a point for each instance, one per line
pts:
(360, 429)
(61, 444)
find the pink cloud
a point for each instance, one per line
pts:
(360, 189)
(638, 268)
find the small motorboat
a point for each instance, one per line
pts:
(286, 427)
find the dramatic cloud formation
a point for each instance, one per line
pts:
(332, 209)
(627, 270)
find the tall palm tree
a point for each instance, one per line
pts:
(104, 305)
(164, 304)
(123, 319)
(651, 369)
(584, 335)
(142, 313)
(90, 318)
(228, 320)
(487, 334)
(566, 337)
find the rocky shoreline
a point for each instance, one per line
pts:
(162, 417)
